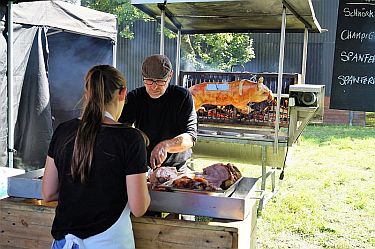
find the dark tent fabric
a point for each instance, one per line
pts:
(54, 45)
(22, 46)
(34, 123)
(66, 83)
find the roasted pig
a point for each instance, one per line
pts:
(237, 93)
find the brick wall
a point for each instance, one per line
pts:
(333, 116)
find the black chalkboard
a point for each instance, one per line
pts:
(353, 80)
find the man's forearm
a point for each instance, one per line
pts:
(179, 143)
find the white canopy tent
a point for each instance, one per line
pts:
(47, 48)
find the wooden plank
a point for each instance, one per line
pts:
(235, 240)
(167, 236)
(25, 225)
(18, 243)
(18, 230)
(27, 204)
(225, 225)
(27, 217)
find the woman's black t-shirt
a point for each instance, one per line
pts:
(87, 209)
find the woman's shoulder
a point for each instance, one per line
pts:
(137, 133)
(130, 132)
(68, 125)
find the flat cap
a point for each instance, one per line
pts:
(156, 67)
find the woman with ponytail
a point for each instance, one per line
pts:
(96, 170)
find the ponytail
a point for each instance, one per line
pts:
(101, 82)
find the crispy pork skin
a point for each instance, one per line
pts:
(238, 94)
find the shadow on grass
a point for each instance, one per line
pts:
(325, 133)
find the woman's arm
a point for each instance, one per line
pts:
(138, 195)
(50, 184)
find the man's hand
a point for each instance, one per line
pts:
(177, 144)
(158, 155)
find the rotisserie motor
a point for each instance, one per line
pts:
(237, 93)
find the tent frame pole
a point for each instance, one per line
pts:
(178, 56)
(10, 86)
(114, 49)
(162, 32)
(280, 80)
(304, 55)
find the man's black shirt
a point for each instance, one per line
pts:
(163, 118)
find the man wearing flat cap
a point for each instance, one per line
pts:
(164, 112)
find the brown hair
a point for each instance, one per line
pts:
(101, 82)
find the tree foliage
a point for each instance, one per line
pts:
(221, 51)
(199, 52)
(126, 13)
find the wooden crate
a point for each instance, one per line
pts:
(26, 223)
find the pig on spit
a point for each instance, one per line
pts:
(237, 93)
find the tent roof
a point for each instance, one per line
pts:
(219, 16)
(66, 16)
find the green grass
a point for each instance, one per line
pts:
(370, 119)
(327, 197)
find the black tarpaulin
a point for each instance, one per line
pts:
(54, 45)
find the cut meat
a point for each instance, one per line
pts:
(222, 175)
(196, 183)
(161, 175)
(216, 174)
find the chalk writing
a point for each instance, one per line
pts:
(345, 80)
(352, 35)
(363, 12)
(353, 77)
(350, 56)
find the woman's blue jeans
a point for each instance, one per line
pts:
(59, 244)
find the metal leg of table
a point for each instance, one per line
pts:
(265, 197)
(273, 179)
(264, 178)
